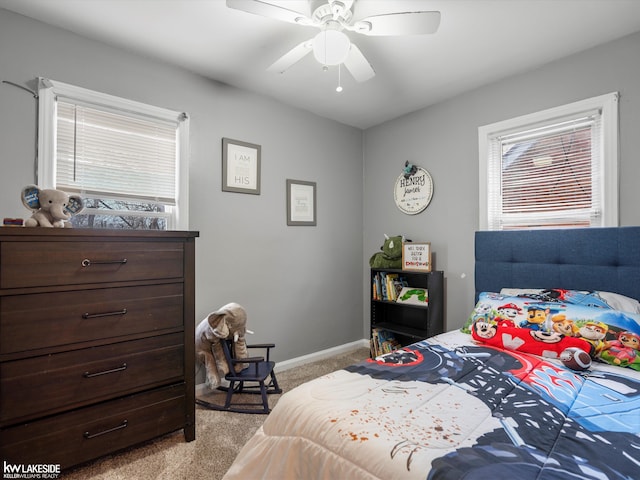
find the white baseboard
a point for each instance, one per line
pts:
(321, 355)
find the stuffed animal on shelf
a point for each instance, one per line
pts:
(52, 208)
(226, 323)
(391, 254)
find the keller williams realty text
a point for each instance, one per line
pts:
(43, 470)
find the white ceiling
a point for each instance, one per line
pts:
(479, 41)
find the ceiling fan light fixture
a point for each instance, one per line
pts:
(331, 47)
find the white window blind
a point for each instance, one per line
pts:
(128, 160)
(546, 176)
(552, 169)
(102, 153)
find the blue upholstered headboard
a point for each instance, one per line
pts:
(606, 259)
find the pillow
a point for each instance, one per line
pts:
(613, 335)
(593, 298)
(620, 302)
(505, 335)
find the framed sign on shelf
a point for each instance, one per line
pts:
(416, 256)
(301, 203)
(240, 167)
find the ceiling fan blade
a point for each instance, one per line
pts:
(358, 65)
(292, 57)
(264, 9)
(401, 23)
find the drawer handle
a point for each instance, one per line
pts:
(89, 436)
(104, 372)
(87, 263)
(106, 314)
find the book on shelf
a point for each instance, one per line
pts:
(414, 296)
(387, 286)
(382, 342)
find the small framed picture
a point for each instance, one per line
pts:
(416, 256)
(301, 203)
(240, 167)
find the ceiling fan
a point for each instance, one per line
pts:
(332, 46)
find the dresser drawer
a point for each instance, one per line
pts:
(29, 264)
(48, 384)
(34, 321)
(88, 433)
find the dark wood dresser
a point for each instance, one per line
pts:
(96, 341)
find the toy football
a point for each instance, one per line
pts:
(575, 359)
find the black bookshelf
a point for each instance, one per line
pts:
(407, 322)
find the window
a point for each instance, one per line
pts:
(552, 169)
(128, 160)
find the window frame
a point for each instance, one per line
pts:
(607, 104)
(49, 90)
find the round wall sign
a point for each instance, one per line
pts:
(413, 191)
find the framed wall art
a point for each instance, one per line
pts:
(240, 167)
(301, 203)
(416, 256)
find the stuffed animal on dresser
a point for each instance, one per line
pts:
(226, 323)
(51, 208)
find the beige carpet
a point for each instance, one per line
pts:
(219, 438)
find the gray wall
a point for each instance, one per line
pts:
(297, 283)
(444, 140)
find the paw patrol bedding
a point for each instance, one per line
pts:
(549, 321)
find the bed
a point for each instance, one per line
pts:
(455, 406)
